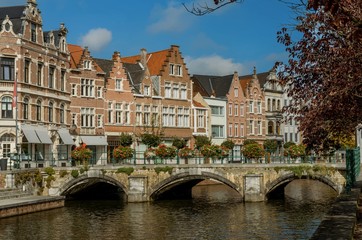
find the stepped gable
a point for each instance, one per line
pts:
(155, 61)
(76, 57)
(217, 86)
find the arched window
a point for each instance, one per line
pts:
(50, 112)
(38, 110)
(61, 113)
(26, 108)
(270, 127)
(268, 104)
(6, 107)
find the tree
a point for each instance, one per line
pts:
(249, 141)
(229, 144)
(253, 151)
(270, 145)
(201, 141)
(323, 74)
(179, 143)
(125, 140)
(150, 139)
(200, 9)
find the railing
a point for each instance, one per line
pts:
(63, 159)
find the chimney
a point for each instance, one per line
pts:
(143, 55)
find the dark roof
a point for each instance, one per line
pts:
(213, 85)
(262, 77)
(57, 34)
(136, 73)
(15, 14)
(105, 64)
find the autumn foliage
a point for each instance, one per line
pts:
(323, 74)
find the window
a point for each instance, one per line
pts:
(154, 115)
(217, 110)
(50, 112)
(6, 149)
(99, 92)
(291, 137)
(146, 115)
(183, 92)
(230, 109)
(268, 106)
(259, 127)
(178, 70)
(296, 137)
(26, 108)
(62, 80)
(51, 77)
(171, 120)
(175, 91)
(278, 105)
(236, 130)
(61, 113)
(40, 74)
(26, 71)
(119, 84)
(146, 91)
(167, 90)
(236, 109)
(270, 127)
(217, 131)
(277, 129)
(230, 129)
(7, 69)
(118, 113)
(251, 106)
(241, 130)
(259, 107)
(241, 109)
(87, 117)
(187, 117)
(236, 92)
(74, 119)
(251, 127)
(38, 110)
(87, 88)
(126, 113)
(87, 64)
(74, 89)
(285, 137)
(6, 107)
(165, 116)
(62, 45)
(200, 118)
(171, 70)
(273, 105)
(99, 121)
(33, 32)
(138, 114)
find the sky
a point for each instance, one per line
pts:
(236, 37)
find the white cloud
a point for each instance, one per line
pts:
(213, 65)
(97, 39)
(174, 18)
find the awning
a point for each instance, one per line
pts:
(94, 140)
(42, 133)
(65, 136)
(29, 132)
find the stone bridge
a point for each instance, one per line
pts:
(141, 184)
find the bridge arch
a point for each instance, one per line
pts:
(287, 178)
(188, 180)
(83, 182)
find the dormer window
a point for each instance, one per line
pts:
(87, 64)
(33, 32)
(62, 48)
(171, 69)
(146, 91)
(178, 70)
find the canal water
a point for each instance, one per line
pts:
(215, 212)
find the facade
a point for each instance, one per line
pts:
(87, 84)
(201, 120)
(273, 105)
(291, 125)
(34, 91)
(255, 102)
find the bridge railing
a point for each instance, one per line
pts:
(63, 159)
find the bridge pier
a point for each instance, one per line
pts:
(253, 188)
(138, 189)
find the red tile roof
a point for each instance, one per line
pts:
(76, 53)
(155, 60)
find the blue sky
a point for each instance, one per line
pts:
(234, 38)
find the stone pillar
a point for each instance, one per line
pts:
(253, 188)
(10, 181)
(138, 189)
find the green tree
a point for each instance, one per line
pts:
(249, 141)
(179, 143)
(150, 139)
(253, 151)
(201, 141)
(126, 140)
(229, 144)
(270, 145)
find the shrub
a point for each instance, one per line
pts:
(49, 170)
(295, 151)
(253, 151)
(81, 153)
(179, 143)
(201, 141)
(126, 170)
(150, 140)
(186, 152)
(125, 140)
(249, 141)
(270, 145)
(74, 173)
(63, 173)
(229, 144)
(163, 151)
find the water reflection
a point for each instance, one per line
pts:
(215, 212)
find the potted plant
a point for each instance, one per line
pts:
(122, 153)
(164, 152)
(186, 153)
(81, 154)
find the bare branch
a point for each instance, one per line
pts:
(202, 9)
